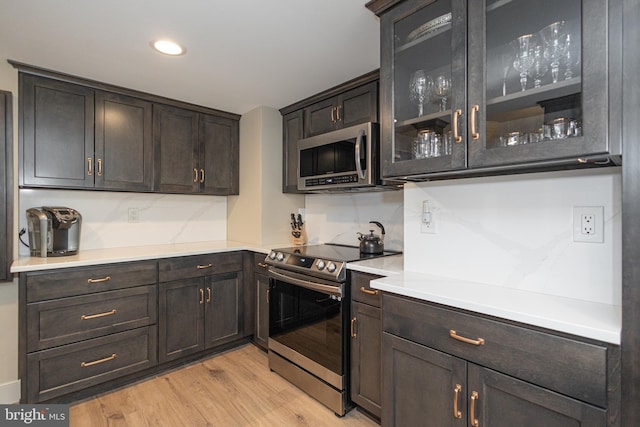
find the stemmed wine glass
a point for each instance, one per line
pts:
(539, 67)
(571, 56)
(524, 57)
(419, 88)
(442, 89)
(554, 37)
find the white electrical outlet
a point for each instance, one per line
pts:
(588, 224)
(134, 215)
(428, 220)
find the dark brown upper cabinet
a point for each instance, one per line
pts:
(75, 136)
(195, 152)
(492, 86)
(350, 108)
(6, 185)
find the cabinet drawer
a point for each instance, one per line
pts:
(199, 266)
(69, 320)
(260, 266)
(571, 367)
(62, 283)
(73, 367)
(361, 290)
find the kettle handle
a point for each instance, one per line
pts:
(379, 225)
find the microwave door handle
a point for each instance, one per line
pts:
(358, 144)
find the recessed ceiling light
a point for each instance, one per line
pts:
(168, 47)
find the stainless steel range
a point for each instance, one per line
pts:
(309, 313)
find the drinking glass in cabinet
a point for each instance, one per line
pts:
(442, 89)
(554, 36)
(524, 58)
(419, 89)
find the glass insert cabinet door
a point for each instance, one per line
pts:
(537, 83)
(423, 80)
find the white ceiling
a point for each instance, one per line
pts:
(240, 53)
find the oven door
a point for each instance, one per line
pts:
(307, 322)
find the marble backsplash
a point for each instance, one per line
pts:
(338, 217)
(517, 231)
(163, 218)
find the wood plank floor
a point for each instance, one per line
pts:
(232, 389)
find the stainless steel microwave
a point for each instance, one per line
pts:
(344, 159)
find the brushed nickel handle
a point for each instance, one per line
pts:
(195, 175)
(201, 175)
(95, 316)
(353, 327)
(208, 294)
(201, 295)
(474, 119)
(472, 410)
(455, 336)
(104, 279)
(99, 167)
(263, 265)
(202, 267)
(89, 166)
(369, 291)
(456, 135)
(456, 396)
(96, 362)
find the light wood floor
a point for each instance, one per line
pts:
(232, 389)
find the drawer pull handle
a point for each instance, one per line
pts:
(95, 316)
(208, 294)
(474, 118)
(455, 336)
(353, 327)
(201, 295)
(263, 265)
(369, 291)
(202, 267)
(95, 362)
(456, 396)
(104, 279)
(472, 410)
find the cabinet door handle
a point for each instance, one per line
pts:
(202, 267)
(95, 316)
(474, 120)
(89, 166)
(369, 291)
(201, 175)
(333, 117)
(201, 295)
(472, 410)
(455, 336)
(338, 113)
(353, 327)
(208, 294)
(195, 175)
(104, 279)
(268, 290)
(263, 265)
(456, 135)
(96, 362)
(456, 397)
(99, 167)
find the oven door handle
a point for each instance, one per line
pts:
(326, 289)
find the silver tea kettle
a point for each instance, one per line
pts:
(372, 243)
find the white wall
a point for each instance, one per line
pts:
(163, 218)
(517, 231)
(337, 218)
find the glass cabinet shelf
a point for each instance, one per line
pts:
(529, 97)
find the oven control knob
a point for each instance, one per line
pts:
(280, 256)
(331, 267)
(272, 255)
(320, 264)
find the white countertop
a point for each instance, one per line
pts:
(583, 318)
(383, 266)
(135, 253)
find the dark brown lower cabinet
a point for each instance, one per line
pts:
(198, 314)
(366, 370)
(423, 386)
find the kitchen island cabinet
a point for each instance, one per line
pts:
(200, 303)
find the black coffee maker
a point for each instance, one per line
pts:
(53, 231)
